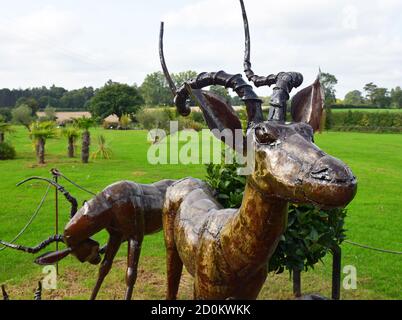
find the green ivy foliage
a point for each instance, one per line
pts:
(311, 232)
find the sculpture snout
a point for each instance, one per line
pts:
(330, 169)
(330, 183)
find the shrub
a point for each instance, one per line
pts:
(7, 151)
(188, 123)
(367, 121)
(154, 119)
(197, 116)
(310, 233)
(124, 122)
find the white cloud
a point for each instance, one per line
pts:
(74, 43)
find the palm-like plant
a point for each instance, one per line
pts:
(71, 133)
(103, 150)
(39, 133)
(4, 128)
(84, 124)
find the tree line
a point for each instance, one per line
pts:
(375, 96)
(123, 99)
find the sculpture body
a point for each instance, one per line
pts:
(227, 250)
(127, 210)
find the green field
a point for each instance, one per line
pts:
(374, 217)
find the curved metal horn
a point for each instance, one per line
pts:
(163, 63)
(67, 195)
(247, 63)
(36, 249)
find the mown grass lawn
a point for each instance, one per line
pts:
(374, 217)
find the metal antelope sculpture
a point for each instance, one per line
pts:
(227, 250)
(127, 210)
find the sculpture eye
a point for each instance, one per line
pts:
(265, 136)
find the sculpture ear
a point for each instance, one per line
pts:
(52, 257)
(219, 116)
(308, 105)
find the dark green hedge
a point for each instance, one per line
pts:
(353, 106)
(7, 151)
(366, 121)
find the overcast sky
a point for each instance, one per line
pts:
(74, 43)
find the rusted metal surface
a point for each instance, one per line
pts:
(127, 210)
(227, 250)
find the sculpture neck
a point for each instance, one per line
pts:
(251, 237)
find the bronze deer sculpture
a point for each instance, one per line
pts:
(227, 250)
(127, 210)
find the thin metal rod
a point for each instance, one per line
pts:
(336, 273)
(31, 219)
(57, 218)
(297, 283)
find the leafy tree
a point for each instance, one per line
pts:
(354, 97)
(72, 134)
(222, 92)
(76, 99)
(22, 115)
(39, 133)
(381, 97)
(116, 98)
(181, 77)
(236, 101)
(155, 90)
(328, 82)
(30, 102)
(5, 113)
(84, 124)
(370, 88)
(396, 97)
(50, 114)
(7, 98)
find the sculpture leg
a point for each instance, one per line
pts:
(113, 246)
(134, 250)
(174, 270)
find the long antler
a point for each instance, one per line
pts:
(36, 249)
(67, 195)
(257, 80)
(163, 63)
(179, 97)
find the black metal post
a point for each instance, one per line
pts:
(297, 283)
(336, 273)
(57, 218)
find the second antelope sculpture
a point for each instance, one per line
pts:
(227, 250)
(127, 210)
